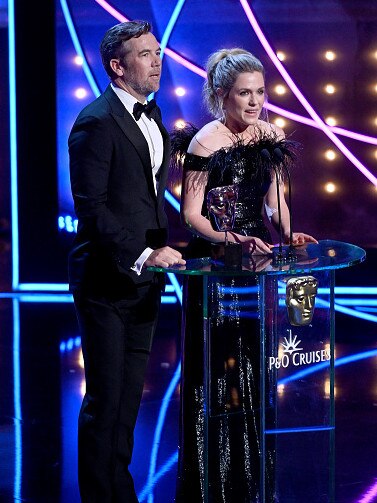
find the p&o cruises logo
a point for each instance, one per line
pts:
(295, 355)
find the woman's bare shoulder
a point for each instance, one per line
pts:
(210, 138)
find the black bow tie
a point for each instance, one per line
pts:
(139, 108)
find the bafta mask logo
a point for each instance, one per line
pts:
(300, 299)
(221, 203)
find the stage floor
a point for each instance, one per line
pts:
(42, 383)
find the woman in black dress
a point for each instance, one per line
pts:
(230, 150)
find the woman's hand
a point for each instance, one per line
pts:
(251, 245)
(299, 238)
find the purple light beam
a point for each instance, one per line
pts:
(370, 495)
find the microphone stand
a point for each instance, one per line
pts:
(291, 254)
(279, 256)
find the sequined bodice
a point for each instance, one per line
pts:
(252, 181)
(251, 191)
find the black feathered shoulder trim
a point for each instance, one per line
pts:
(180, 141)
(264, 152)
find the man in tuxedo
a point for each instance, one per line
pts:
(119, 154)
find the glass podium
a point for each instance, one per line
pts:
(292, 305)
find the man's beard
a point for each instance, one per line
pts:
(146, 88)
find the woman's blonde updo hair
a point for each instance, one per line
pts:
(223, 68)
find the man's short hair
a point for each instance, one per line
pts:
(112, 45)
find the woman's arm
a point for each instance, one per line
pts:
(271, 201)
(194, 183)
(192, 198)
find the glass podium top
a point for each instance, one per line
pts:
(327, 254)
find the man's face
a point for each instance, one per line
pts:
(141, 66)
(221, 203)
(300, 304)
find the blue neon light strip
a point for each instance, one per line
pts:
(241, 314)
(171, 199)
(166, 467)
(78, 48)
(241, 304)
(61, 287)
(168, 299)
(152, 476)
(343, 290)
(308, 429)
(340, 290)
(17, 402)
(168, 30)
(347, 310)
(320, 366)
(13, 143)
(305, 372)
(351, 290)
(356, 302)
(170, 26)
(176, 286)
(358, 312)
(240, 290)
(148, 489)
(48, 298)
(43, 287)
(61, 298)
(366, 309)
(356, 357)
(157, 434)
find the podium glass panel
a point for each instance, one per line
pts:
(232, 398)
(297, 366)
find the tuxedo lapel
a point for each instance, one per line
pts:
(163, 172)
(129, 127)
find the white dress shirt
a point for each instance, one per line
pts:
(153, 136)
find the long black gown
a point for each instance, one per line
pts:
(234, 426)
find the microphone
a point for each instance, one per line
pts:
(265, 154)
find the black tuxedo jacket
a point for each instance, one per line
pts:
(119, 213)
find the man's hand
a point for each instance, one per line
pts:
(164, 257)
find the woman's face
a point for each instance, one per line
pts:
(244, 102)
